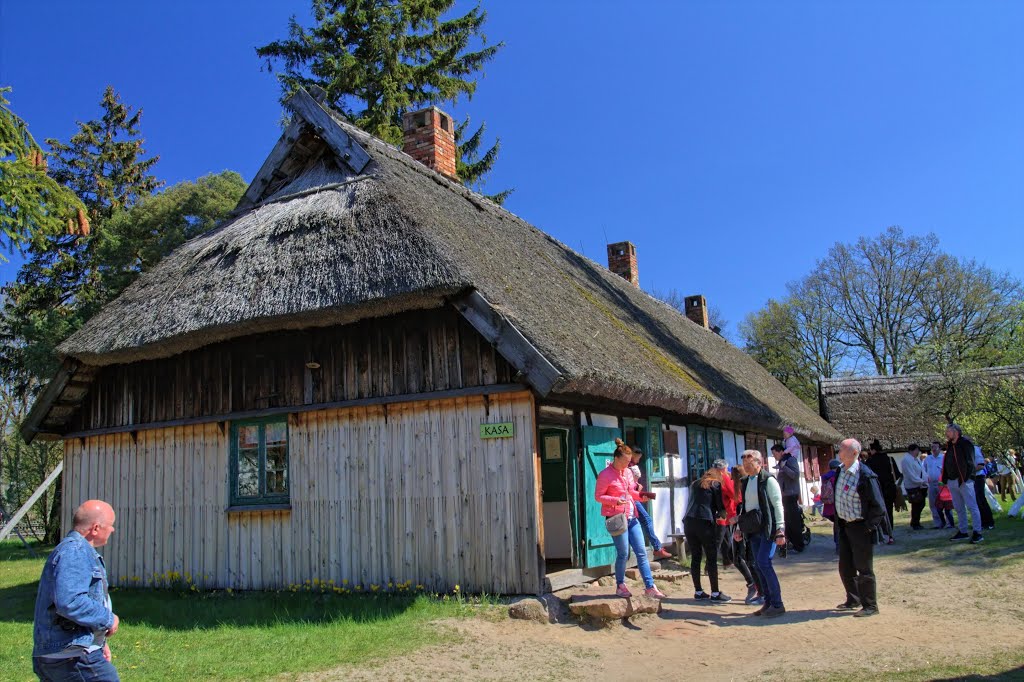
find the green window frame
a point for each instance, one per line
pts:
(259, 462)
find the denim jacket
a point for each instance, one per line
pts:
(72, 607)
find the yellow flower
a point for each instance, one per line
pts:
(345, 581)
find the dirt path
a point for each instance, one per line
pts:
(931, 611)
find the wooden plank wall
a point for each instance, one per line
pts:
(417, 352)
(410, 492)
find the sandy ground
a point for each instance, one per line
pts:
(929, 612)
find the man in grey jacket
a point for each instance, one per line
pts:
(789, 479)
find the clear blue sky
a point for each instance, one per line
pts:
(733, 143)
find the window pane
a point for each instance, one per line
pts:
(277, 433)
(248, 437)
(248, 472)
(276, 467)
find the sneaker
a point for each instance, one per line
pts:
(720, 597)
(760, 611)
(662, 554)
(783, 551)
(757, 601)
(976, 538)
(959, 536)
(702, 595)
(865, 612)
(623, 591)
(654, 592)
(751, 594)
(774, 611)
(847, 606)
(891, 541)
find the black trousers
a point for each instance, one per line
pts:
(744, 560)
(724, 544)
(794, 521)
(916, 507)
(703, 538)
(857, 562)
(889, 498)
(987, 520)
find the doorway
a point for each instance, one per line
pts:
(558, 498)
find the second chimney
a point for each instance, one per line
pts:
(622, 261)
(429, 137)
(697, 310)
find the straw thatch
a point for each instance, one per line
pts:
(898, 410)
(400, 236)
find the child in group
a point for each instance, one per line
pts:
(944, 501)
(641, 512)
(816, 504)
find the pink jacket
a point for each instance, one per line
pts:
(611, 486)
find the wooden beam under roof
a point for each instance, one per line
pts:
(347, 149)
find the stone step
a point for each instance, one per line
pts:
(604, 608)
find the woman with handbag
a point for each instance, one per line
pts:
(700, 522)
(617, 493)
(762, 523)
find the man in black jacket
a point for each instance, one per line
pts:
(859, 511)
(958, 472)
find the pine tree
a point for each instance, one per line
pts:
(32, 204)
(471, 165)
(377, 59)
(55, 289)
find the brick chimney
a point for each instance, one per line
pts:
(697, 310)
(622, 261)
(430, 139)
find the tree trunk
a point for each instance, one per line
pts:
(53, 522)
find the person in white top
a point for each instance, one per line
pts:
(914, 483)
(933, 478)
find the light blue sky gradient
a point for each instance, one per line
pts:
(733, 143)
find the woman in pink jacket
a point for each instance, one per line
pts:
(616, 491)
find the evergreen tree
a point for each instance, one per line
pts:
(377, 59)
(32, 204)
(55, 289)
(471, 165)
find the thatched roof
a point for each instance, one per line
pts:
(897, 410)
(397, 235)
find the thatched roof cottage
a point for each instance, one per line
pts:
(371, 373)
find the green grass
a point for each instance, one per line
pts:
(171, 635)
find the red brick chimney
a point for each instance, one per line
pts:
(697, 310)
(622, 261)
(430, 139)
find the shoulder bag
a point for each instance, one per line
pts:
(616, 524)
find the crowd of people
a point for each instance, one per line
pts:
(750, 515)
(747, 515)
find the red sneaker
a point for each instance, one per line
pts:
(654, 592)
(623, 591)
(662, 554)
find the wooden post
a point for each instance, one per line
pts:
(6, 530)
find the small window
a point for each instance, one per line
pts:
(446, 123)
(259, 462)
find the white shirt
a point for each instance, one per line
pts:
(933, 467)
(913, 472)
(792, 446)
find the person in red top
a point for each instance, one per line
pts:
(727, 528)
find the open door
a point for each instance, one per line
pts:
(598, 448)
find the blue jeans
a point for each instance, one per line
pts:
(633, 537)
(933, 495)
(964, 500)
(85, 668)
(647, 525)
(764, 550)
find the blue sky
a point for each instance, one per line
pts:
(733, 143)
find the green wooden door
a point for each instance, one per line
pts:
(554, 449)
(598, 448)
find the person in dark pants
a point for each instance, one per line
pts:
(789, 480)
(888, 477)
(859, 511)
(988, 521)
(914, 483)
(704, 509)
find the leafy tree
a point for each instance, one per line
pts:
(32, 204)
(377, 59)
(135, 239)
(896, 302)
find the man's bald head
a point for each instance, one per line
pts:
(94, 519)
